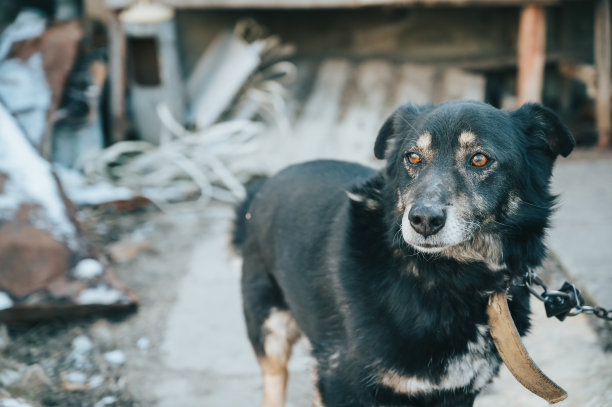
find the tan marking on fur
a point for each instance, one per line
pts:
(423, 147)
(483, 247)
(467, 138)
(400, 202)
(281, 332)
(424, 141)
(513, 204)
(317, 401)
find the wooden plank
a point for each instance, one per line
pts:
(531, 49)
(602, 66)
(304, 4)
(363, 112)
(59, 46)
(317, 122)
(423, 84)
(415, 84)
(117, 67)
(458, 84)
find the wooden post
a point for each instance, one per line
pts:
(531, 54)
(602, 67)
(117, 65)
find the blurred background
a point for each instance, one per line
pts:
(128, 129)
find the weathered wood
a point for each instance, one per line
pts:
(318, 118)
(363, 111)
(531, 49)
(602, 66)
(59, 47)
(303, 4)
(117, 65)
(415, 84)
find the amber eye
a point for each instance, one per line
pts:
(413, 158)
(479, 160)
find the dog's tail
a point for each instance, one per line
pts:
(242, 210)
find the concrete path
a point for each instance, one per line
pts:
(581, 235)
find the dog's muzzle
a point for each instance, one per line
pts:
(432, 228)
(427, 219)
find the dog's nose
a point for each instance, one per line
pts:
(427, 220)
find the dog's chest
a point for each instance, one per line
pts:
(469, 371)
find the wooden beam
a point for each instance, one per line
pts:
(602, 67)
(308, 4)
(117, 67)
(531, 51)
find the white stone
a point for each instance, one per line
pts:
(5, 301)
(81, 344)
(106, 401)
(76, 377)
(143, 343)
(99, 295)
(115, 357)
(87, 269)
(95, 381)
(14, 403)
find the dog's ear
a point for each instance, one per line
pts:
(400, 118)
(544, 125)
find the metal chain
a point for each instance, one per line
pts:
(599, 312)
(562, 303)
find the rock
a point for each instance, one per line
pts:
(9, 377)
(81, 344)
(102, 333)
(115, 357)
(81, 348)
(95, 381)
(35, 255)
(143, 343)
(87, 269)
(11, 402)
(34, 380)
(74, 381)
(101, 294)
(106, 401)
(123, 252)
(5, 301)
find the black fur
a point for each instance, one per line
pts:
(368, 301)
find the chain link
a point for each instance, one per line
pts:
(562, 303)
(599, 312)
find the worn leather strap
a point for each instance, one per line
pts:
(514, 354)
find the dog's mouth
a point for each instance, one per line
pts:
(429, 248)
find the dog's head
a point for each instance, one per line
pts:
(464, 174)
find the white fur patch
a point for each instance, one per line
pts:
(467, 138)
(424, 141)
(475, 367)
(281, 333)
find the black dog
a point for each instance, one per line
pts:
(387, 273)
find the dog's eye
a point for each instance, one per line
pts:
(413, 158)
(479, 160)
